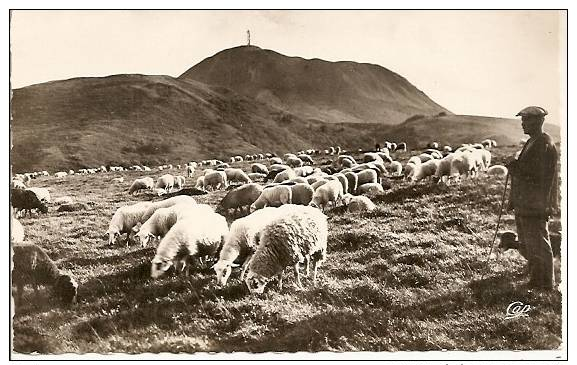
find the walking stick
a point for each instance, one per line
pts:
(498, 224)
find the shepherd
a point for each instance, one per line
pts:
(534, 196)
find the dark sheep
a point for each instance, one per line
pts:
(26, 200)
(33, 266)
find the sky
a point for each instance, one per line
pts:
(483, 62)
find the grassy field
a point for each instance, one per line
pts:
(408, 276)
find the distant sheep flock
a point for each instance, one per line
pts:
(271, 218)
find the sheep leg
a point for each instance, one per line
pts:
(280, 281)
(315, 267)
(245, 266)
(307, 263)
(299, 285)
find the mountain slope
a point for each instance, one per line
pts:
(456, 129)
(133, 119)
(315, 89)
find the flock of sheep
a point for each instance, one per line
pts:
(276, 210)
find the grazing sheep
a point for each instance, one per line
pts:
(144, 183)
(359, 203)
(240, 197)
(179, 182)
(199, 234)
(260, 168)
(200, 182)
(318, 184)
(444, 171)
(486, 159)
(189, 171)
(343, 180)
(273, 196)
(255, 176)
(303, 171)
(72, 207)
(302, 194)
(33, 266)
(164, 184)
(353, 181)
(464, 163)
(370, 188)
(298, 235)
(497, 170)
(275, 160)
(294, 161)
(42, 193)
(427, 169)
(401, 147)
(237, 175)
(126, 218)
(366, 176)
(26, 201)
(424, 157)
(331, 192)
(215, 180)
(118, 179)
(395, 168)
(241, 242)
(16, 231)
(60, 174)
(284, 175)
(306, 159)
(163, 219)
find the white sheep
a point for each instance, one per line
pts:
(259, 168)
(331, 192)
(353, 181)
(256, 176)
(372, 188)
(60, 174)
(464, 163)
(306, 158)
(164, 184)
(359, 203)
(42, 193)
(294, 161)
(273, 196)
(215, 180)
(424, 157)
(444, 170)
(285, 175)
(237, 175)
(304, 171)
(126, 218)
(275, 160)
(160, 222)
(199, 234)
(16, 231)
(497, 170)
(366, 176)
(242, 196)
(179, 182)
(200, 183)
(415, 160)
(143, 183)
(298, 235)
(427, 169)
(343, 180)
(241, 242)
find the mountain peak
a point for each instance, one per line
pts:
(315, 89)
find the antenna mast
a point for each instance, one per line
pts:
(248, 37)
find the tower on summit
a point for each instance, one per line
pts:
(248, 37)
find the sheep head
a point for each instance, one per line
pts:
(255, 282)
(222, 270)
(159, 266)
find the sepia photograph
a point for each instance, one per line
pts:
(315, 184)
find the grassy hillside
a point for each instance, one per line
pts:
(136, 119)
(409, 276)
(336, 92)
(456, 129)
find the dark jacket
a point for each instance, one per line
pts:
(534, 178)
